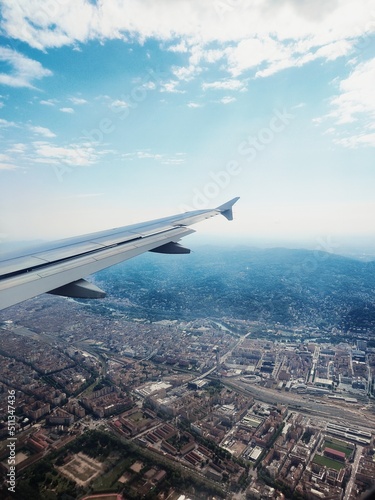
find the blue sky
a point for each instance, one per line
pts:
(113, 112)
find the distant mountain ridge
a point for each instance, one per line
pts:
(278, 285)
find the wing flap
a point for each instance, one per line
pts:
(12, 266)
(69, 251)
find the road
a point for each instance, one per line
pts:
(350, 484)
(223, 357)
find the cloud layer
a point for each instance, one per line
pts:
(264, 35)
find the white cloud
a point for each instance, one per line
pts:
(173, 161)
(186, 73)
(67, 110)
(330, 130)
(48, 102)
(353, 107)
(299, 105)
(179, 47)
(6, 162)
(334, 50)
(230, 84)
(194, 105)
(199, 54)
(262, 37)
(18, 148)
(5, 123)
(164, 159)
(171, 87)
(252, 52)
(118, 104)
(7, 166)
(73, 155)
(146, 155)
(23, 70)
(268, 55)
(45, 132)
(149, 86)
(77, 100)
(356, 141)
(357, 97)
(227, 99)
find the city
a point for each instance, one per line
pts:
(218, 401)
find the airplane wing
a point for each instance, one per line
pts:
(60, 267)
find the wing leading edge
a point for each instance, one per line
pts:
(60, 267)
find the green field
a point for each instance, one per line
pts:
(139, 416)
(338, 445)
(328, 462)
(108, 480)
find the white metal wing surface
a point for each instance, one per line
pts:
(60, 266)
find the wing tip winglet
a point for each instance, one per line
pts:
(227, 208)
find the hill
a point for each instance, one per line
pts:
(277, 285)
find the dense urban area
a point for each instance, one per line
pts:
(215, 407)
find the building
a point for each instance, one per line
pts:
(334, 454)
(60, 417)
(323, 382)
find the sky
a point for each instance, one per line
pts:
(115, 112)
